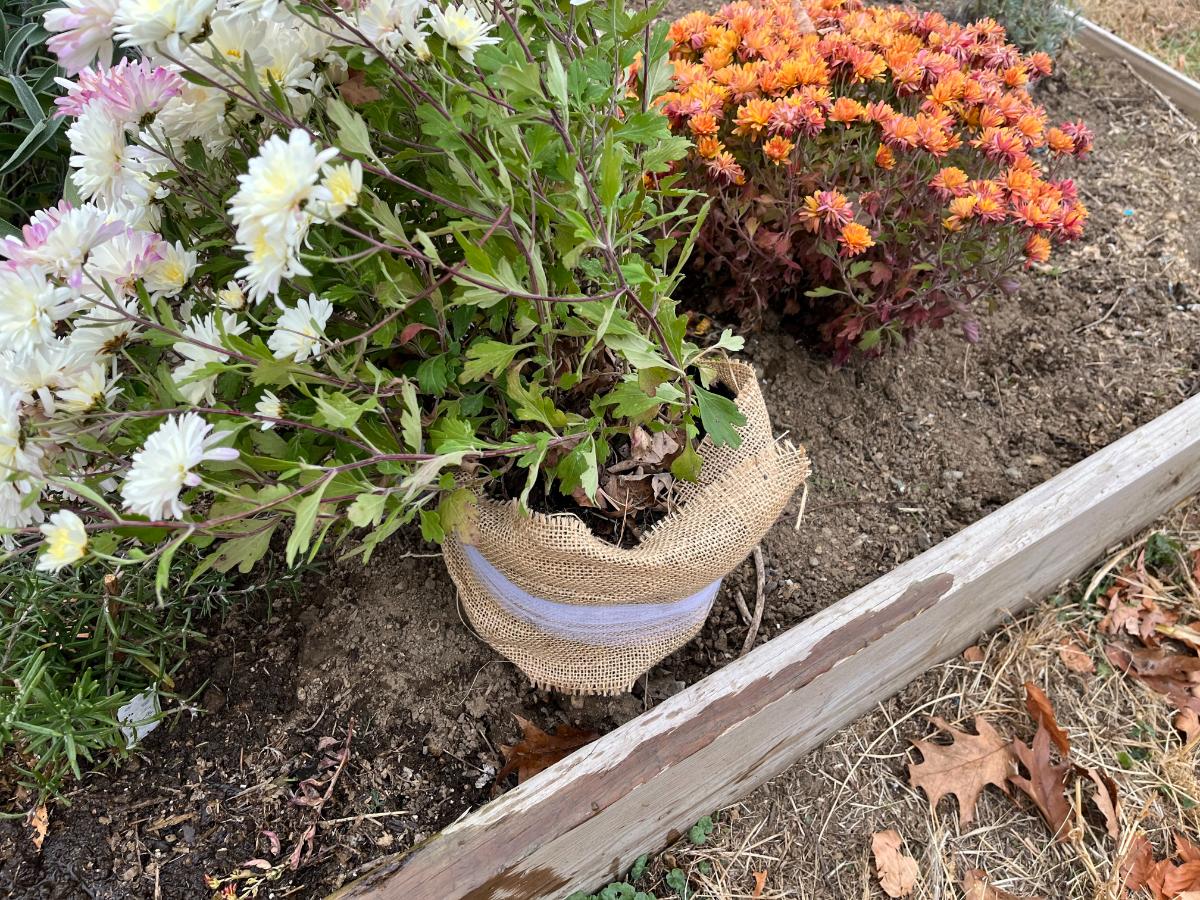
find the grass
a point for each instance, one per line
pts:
(810, 829)
(77, 646)
(1169, 29)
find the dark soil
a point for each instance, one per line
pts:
(906, 450)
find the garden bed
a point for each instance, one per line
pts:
(906, 451)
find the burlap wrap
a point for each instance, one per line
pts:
(580, 615)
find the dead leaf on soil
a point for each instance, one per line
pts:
(963, 767)
(897, 872)
(760, 882)
(1107, 800)
(1188, 721)
(39, 820)
(1046, 781)
(1075, 658)
(538, 750)
(1138, 864)
(977, 887)
(1171, 674)
(973, 654)
(1042, 712)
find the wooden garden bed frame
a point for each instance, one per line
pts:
(583, 821)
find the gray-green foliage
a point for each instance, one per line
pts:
(1033, 25)
(33, 147)
(72, 653)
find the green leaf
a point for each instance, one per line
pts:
(243, 552)
(410, 418)
(488, 357)
(870, 339)
(367, 509)
(306, 520)
(687, 464)
(353, 136)
(823, 291)
(720, 416)
(431, 526)
(578, 469)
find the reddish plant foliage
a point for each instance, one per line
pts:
(882, 169)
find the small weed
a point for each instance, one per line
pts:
(699, 832)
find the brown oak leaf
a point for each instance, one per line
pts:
(356, 91)
(39, 820)
(897, 872)
(1107, 800)
(963, 767)
(1137, 865)
(538, 750)
(1041, 710)
(976, 886)
(1170, 674)
(1046, 781)
(1075, 658)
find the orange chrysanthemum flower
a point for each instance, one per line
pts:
(778, 149)
(855, 239)
(825, 208)
(1059, 141)
(703, 123)
(949, 182)
(1037, 249)
(725, 169)
(708, 147)
(753, 117)
(846, 110)
(884, 157)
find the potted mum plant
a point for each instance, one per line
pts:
(330, 270)
(876, 168)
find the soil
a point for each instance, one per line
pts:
(906, 451)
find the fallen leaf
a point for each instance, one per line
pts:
(1169, 674)
(1107, 800)
(1046, 783)
(760, 882)
(963, 767)
(1042, 712)
(1075, 658)
(1188, 721)
(977, 887)
(538, 750)
(356, 91)
(1185, 849)
(1137, 864)
(897, 872)
(973, 654)
(1177, 879)
(39, 820)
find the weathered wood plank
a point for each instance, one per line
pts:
(585, 819)
(1183, 91)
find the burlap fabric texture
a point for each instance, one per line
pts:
(582, 616)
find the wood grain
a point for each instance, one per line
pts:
(583, 821)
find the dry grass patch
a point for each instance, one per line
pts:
(1170, 29)
(811, 828)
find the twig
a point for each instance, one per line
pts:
(741, 606)
(759, 601)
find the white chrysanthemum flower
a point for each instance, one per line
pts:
(119, 263)
(34, 374)
(203, 331)
(19, 459)
(168, 275)
(299, 331)
(277, 184)
(82, 31)
(394, 26)
(462, 28)
(89, 387)
(145, 23)
(60, 238)
(270, 406)
(232, 296)
(199, 113)
(104, 328)
(342, 183)
(107, 167)
(29, 306)
(66, 541)
(269, 259)
(162, 468)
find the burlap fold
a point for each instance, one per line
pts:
(580, 615)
